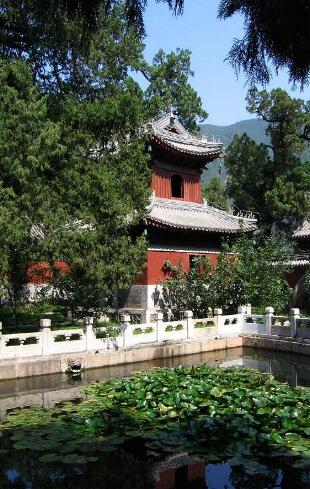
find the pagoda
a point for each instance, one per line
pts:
(179, 224)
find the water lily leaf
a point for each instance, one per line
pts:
(50, 457)
(292, 437)
(151, 414)
(91, 459)
(107, 448)
(300, 448)
(276, 437)
(74, 458)
(216, 392)
(235, 461)
(260, 402)
(163, 408)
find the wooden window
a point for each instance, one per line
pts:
(177, 186)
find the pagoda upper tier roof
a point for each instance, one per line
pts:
(172, 214)
(303, 231)
(169, 133)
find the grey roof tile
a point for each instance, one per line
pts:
(169, 132)
(196, 217)
(303, 231)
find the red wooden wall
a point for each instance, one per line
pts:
(161, 183)
(156, 259)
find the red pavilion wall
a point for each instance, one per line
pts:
(155, 264)
(161, 184)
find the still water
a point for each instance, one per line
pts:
(127, 470)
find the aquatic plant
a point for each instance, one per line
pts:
(234, 414)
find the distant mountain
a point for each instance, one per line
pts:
(254, 128)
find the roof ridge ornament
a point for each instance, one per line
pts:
(171, 114)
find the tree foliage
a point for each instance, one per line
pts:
(187, 290)
(29, 145)
(74, 169)
(215, 193)
(271, 179)
(284, 43)
(62, 200)
(168, 85)
(274, 31)
(247, 272)
(54, 45)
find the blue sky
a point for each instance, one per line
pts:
(209, 39)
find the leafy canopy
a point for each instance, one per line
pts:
(168, 85)
(75, 178)
(215, 193)
(285, 46)
(271, 179)
(62, 200)
(245, 273)
(274, 32)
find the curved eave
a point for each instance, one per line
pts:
(164, 225)
(206, 154)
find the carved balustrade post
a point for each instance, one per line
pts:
(45, 326)
(268, 318)
(242, 310)
(89, 333)
(125, 320)
(189, 323)
(159, 326)
(294, 320)
(1, 342)
(218, 317)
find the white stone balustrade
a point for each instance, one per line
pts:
(91, 338)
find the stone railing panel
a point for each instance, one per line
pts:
(303, 333)
(173, 330)
(206, 327)
(67, 341)
(139, 333)
(230, 325)
(254, 324)
(281, 331)
(21, 345)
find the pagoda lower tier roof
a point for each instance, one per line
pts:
(168, 133)
(303, 231)
(173, 214)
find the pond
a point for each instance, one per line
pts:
(128, 464)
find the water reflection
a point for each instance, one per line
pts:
(123, 471)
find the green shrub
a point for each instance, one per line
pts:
(179, 327)
(169, 328)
